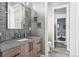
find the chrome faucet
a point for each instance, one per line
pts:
(19, 35)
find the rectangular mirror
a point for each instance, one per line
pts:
(16, 15)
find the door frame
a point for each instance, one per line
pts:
(67, 24)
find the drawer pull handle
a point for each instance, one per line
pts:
(30, 46)
(16, 55)
(0, 54)
(39, 52)
(39, 42)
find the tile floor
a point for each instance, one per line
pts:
(59, 51)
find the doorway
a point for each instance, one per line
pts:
(59, 47)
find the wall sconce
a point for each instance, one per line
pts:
(29, 31)
(29, 28)
(0, 33)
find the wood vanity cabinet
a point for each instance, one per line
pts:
(36, 48)
(29, 49)
(13, 52)
(25, 50)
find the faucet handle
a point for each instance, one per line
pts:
(19, 35)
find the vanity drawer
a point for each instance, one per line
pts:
(25, 50)
(38, 41)
(37, 47)
(11, 52)
(0, 54)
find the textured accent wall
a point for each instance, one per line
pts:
(8, 34)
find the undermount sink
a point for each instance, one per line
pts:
(24, 39)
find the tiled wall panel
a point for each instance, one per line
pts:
(8, 34)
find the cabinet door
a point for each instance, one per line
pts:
(36, 47)
(25, 50)
(12, 52)
(22, 50)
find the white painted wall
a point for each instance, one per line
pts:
(50, 6)
(74, 29)
(46, 30)
(77, 29)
